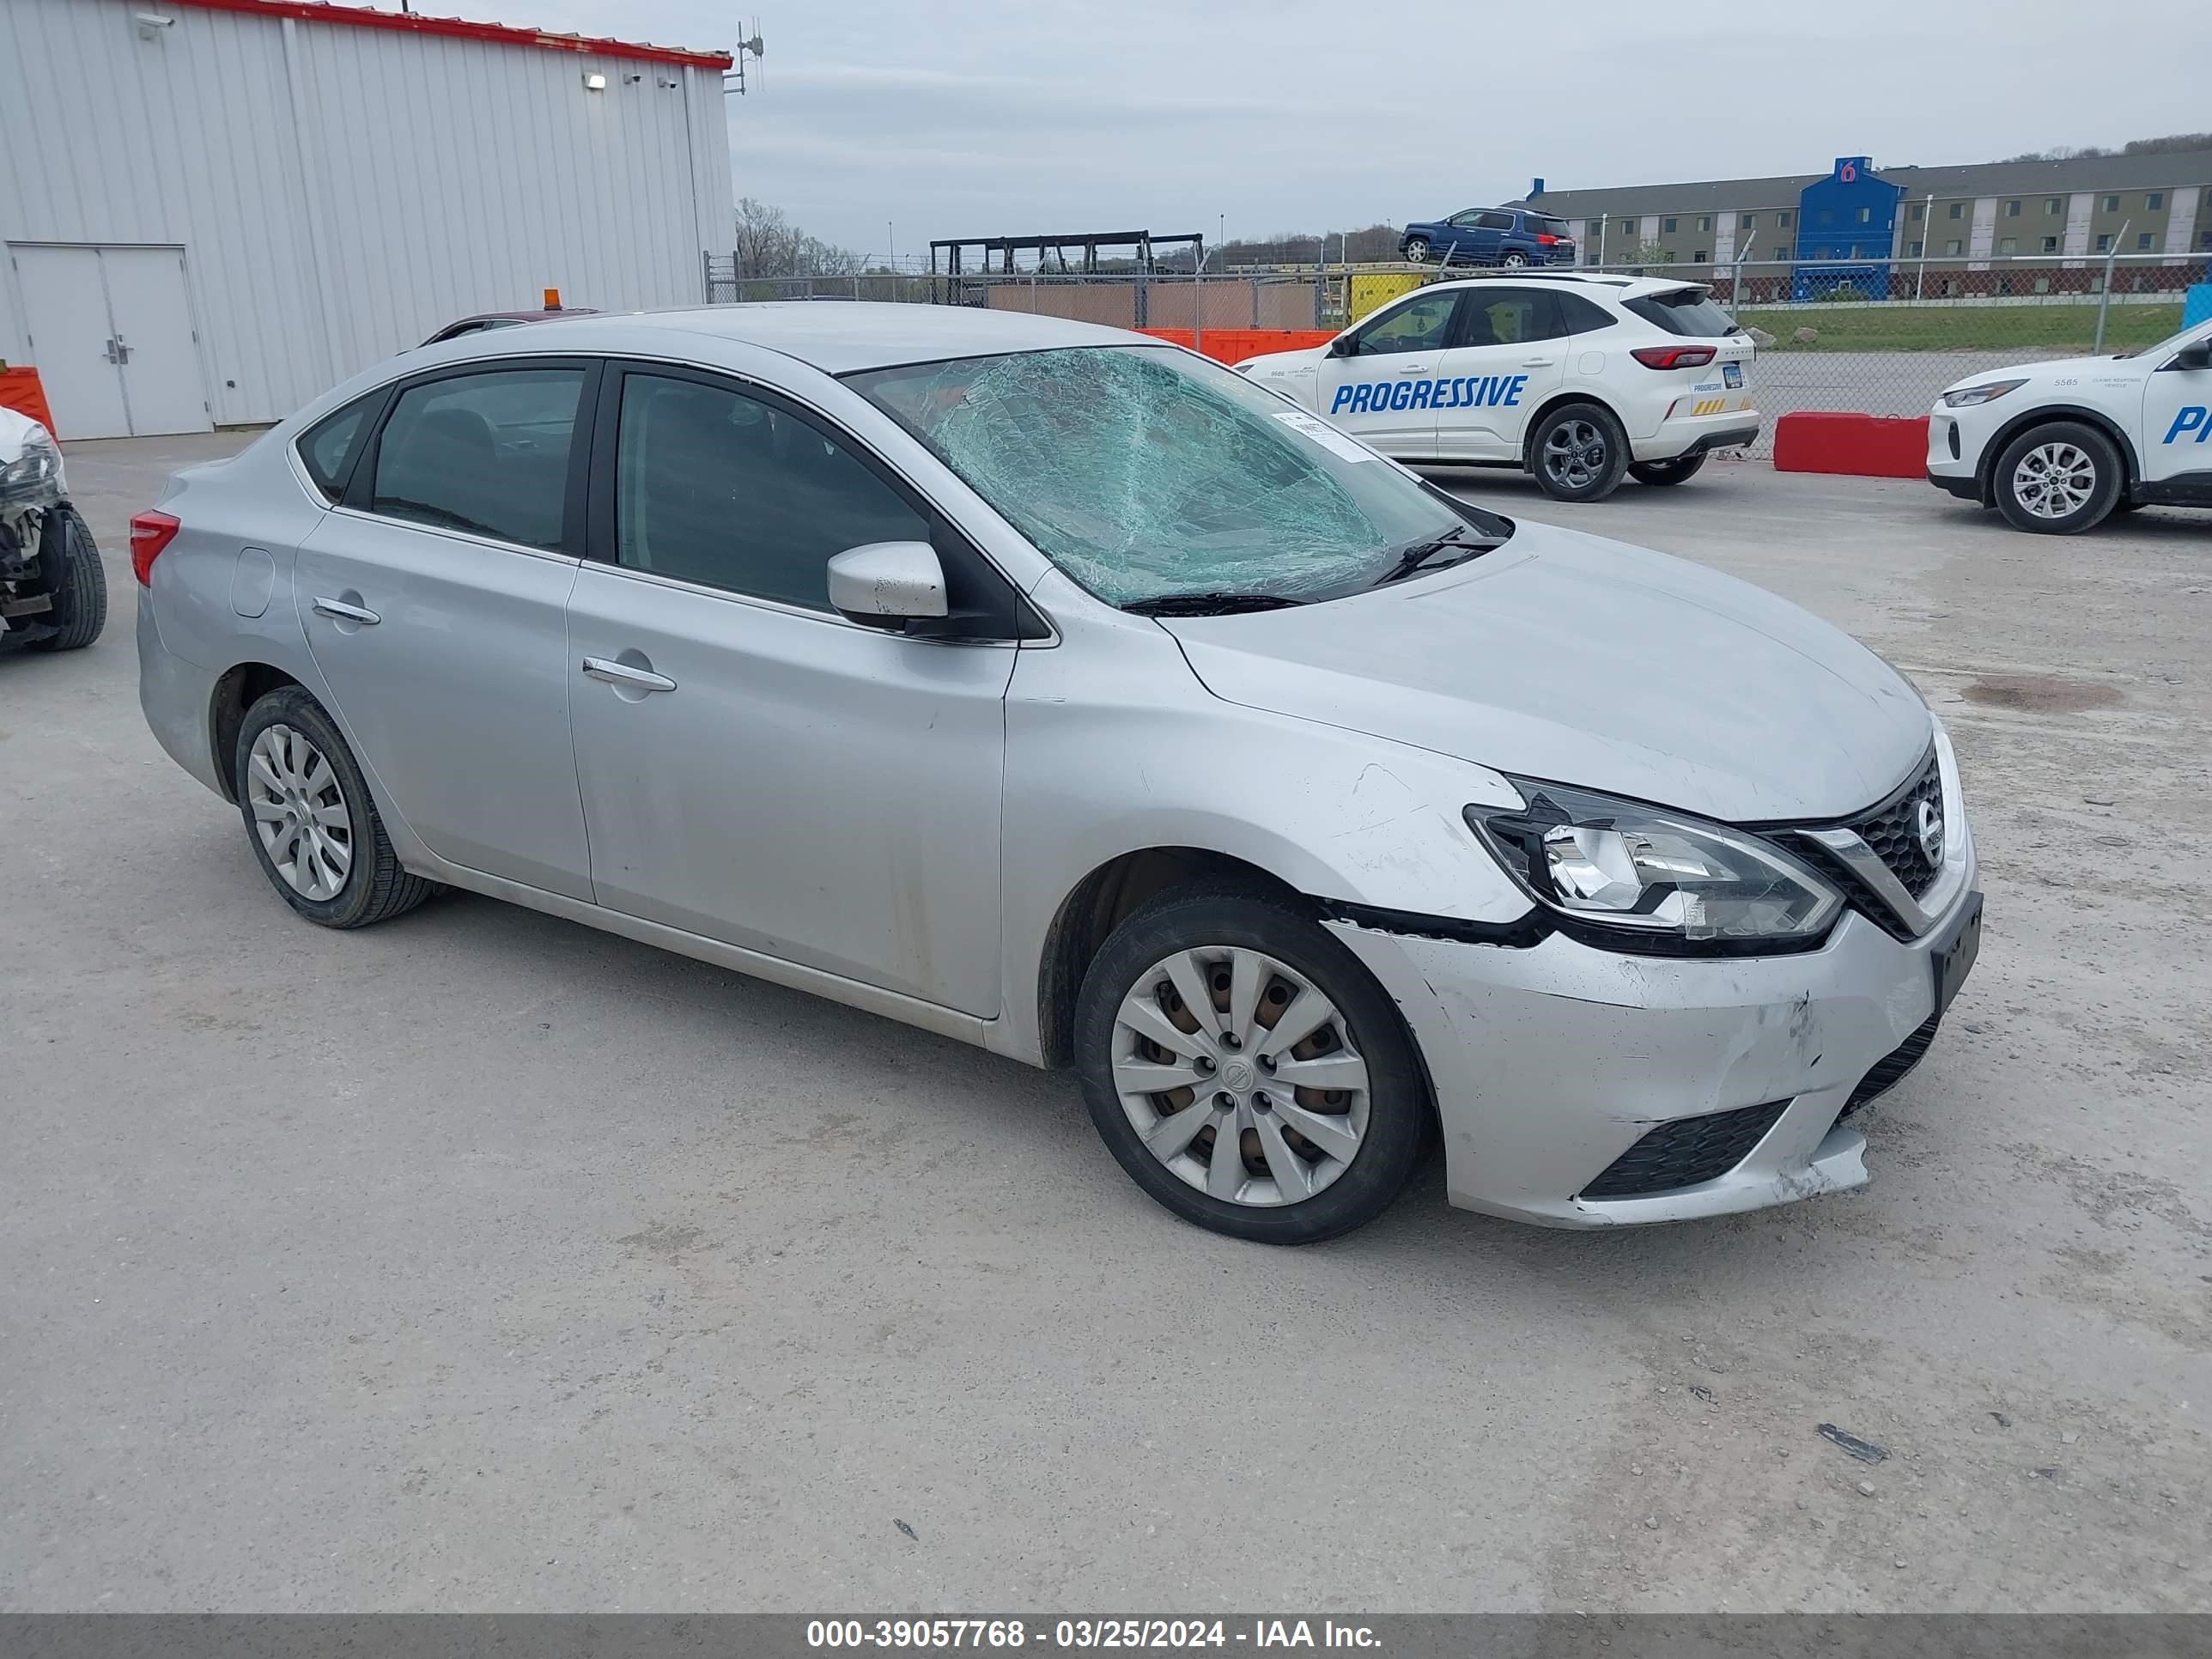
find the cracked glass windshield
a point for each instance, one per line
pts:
(1147, 473)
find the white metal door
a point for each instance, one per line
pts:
(65, 307)
(111, 335)
(152, 316)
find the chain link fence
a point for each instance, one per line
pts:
(1873, 337)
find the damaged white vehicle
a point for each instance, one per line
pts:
(1068, 694)
(53, 594)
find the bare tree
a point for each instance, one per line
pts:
(767, 244)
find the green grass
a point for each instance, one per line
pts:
(1888, 327)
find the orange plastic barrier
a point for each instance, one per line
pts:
(1866, 446)
(1234, 345)
(19, 389)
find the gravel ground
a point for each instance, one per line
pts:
(483, 1262)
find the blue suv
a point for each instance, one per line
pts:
(1512, 237)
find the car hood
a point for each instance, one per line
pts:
(1580, 660)
(2107, 368)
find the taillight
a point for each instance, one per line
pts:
(1543, 240)
(1673, 356)
(150, 531)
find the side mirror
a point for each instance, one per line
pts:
(2197, 354)
(1344, 345)
(888, 584)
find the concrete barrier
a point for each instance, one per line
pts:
(1866, 446)
(1234, 345)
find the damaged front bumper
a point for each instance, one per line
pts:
(1563, 1074)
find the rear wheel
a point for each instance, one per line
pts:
(1578, 453)
(1680, 470)
(1247, 1070)
(308, 813)
(80, 590)
(2058, 479)
(1418, 250)
(1514, 260)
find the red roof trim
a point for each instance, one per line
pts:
(314, 11)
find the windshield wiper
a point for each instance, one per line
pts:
(1206, 605)
(1420, 553)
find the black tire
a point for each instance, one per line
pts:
(1681, 470)
(2101, 476)
(375, 888)
(80, 587)
(1590, 469)
(1418, 250)
(2123, 504)
(1399, 1112)
(1515, 260)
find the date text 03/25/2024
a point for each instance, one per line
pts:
(1086, 1633)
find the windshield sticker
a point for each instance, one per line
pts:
(1324, 435)
(1468, 392)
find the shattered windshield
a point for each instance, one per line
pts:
(1146, 472)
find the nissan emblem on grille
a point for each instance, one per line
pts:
(1931, 832)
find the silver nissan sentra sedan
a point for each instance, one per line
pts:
(1059, 690)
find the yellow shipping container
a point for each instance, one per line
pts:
(1373, 291)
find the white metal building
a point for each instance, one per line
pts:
(213, 209)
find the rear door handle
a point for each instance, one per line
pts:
(620, 673)
(340, 609)
(1539, 363)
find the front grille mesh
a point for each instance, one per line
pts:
(1894, 832)
(1890, 1070)
(1686, 1152)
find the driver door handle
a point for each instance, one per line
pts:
(1413, 369)
(341, 610)
(620, 673)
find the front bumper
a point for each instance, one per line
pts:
(1551, 1061)
(1951, 462)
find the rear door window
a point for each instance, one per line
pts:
(1496, 222)
(484, 452)
(1688, 311)
(1578, 316)
(1509, 316)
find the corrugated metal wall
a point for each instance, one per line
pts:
(340, 192)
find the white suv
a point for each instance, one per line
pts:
(1577, 377)
(2056, 446)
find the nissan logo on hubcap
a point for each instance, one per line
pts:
(1237, 1076)
(1929, 823)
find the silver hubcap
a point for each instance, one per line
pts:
(2054, 480)
(299, 812)
(1417, 252)
(1240, 1076)
(1574, 453)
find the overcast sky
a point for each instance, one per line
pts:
(1006, 116)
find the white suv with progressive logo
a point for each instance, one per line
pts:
(1578, 378)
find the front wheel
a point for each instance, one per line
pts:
(2058, 479)
(1418, 250)
(1680, 470)
(1247, 1070)
(80, 586)
(1578, 453)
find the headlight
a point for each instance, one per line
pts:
(34, 478)
(1651, 880)
(1967, 397)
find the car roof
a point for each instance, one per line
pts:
(841, 338)
(1622, 288)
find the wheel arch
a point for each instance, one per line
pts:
(1098, 903)
(1985, 469)
(237, 690)
(1551, 403)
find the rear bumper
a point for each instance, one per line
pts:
(176, 696)
(1552, 1062)
(1695, 434)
